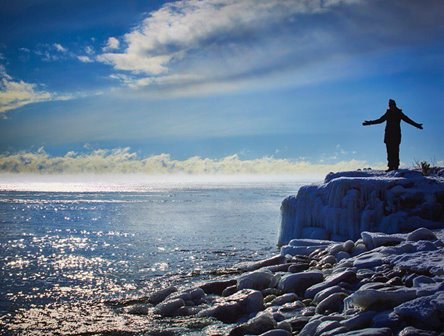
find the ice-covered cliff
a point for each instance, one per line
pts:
(348, 203)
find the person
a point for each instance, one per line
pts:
(392, 136)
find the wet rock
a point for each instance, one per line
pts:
(277, 332)
(299, 282)
(230, 290)
(137, 309)
(297, 267)
(231, 308)
(269, 298)
(411, 331)
(359, 249)
(421, 234)
(332, 303)
(342, 255)
(261, 323)
(332, 280)
(217, 287)
(326, 326)
(161, 295)
(386, 319)
(348, 246)
(169, 308)
(298, 322)
(255, 265)
(326, 292)
(370, 332)
(256, 280)
(328, 259)
(285, 325)
(280, 300)
(359, 321)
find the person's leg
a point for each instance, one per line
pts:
(396, 156)
(392, 155)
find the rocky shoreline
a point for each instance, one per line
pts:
(380, 284)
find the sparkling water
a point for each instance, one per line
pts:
(82, 242)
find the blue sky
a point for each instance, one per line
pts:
(284, 79)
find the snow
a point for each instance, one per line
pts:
(348, 203)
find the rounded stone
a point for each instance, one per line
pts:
(168, 308)
(421, 234)
(332, 303)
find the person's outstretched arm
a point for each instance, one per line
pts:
(410, 121)
(374, 122)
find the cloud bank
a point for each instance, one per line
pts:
(122, 160)
(217, 45)
(17, 93)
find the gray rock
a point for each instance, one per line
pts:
(332, 303)
(256, 280)
(329, 259)
(257, 325)
(231, 308)
(421, 234)
(359, 321)
(284, 325)
(332, 280)
(161, 295)
(217, 287)
(280, 300)
(137, 309)
(169, 308)
(297, 267)
(376, 239)
(298, 322)
(310, 328)
(230, 290)
(255, 265)
(369, 332)
(336, 331)
(326, 326)
(348, 246)
(411, 331)
(386, 319)
(299, 282)
(326, 292)
(342, 255)
(277, 332)
(369, 260)
(359, 249)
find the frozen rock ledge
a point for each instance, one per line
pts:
(348, 203)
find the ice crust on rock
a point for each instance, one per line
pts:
(349, 203)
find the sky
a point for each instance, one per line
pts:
(270, 85)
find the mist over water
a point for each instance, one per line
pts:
(99, 239)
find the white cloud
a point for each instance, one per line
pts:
(84, 59)
(122, 160)
(59, 48)
(17, 93)
(112, 44)
(89, 50)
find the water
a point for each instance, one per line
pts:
(77, 243)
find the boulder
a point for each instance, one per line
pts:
(380, 298)
(256, 280)
(370, 332)
(348, 275)
(217, 287)
(169, 308)
(233, 307)
(421, 234)
(332, 303)
(255, 326)
(299, 282)
(161, 295)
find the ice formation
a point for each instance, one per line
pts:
(348, 203)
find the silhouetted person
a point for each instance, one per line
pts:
(392, 137)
